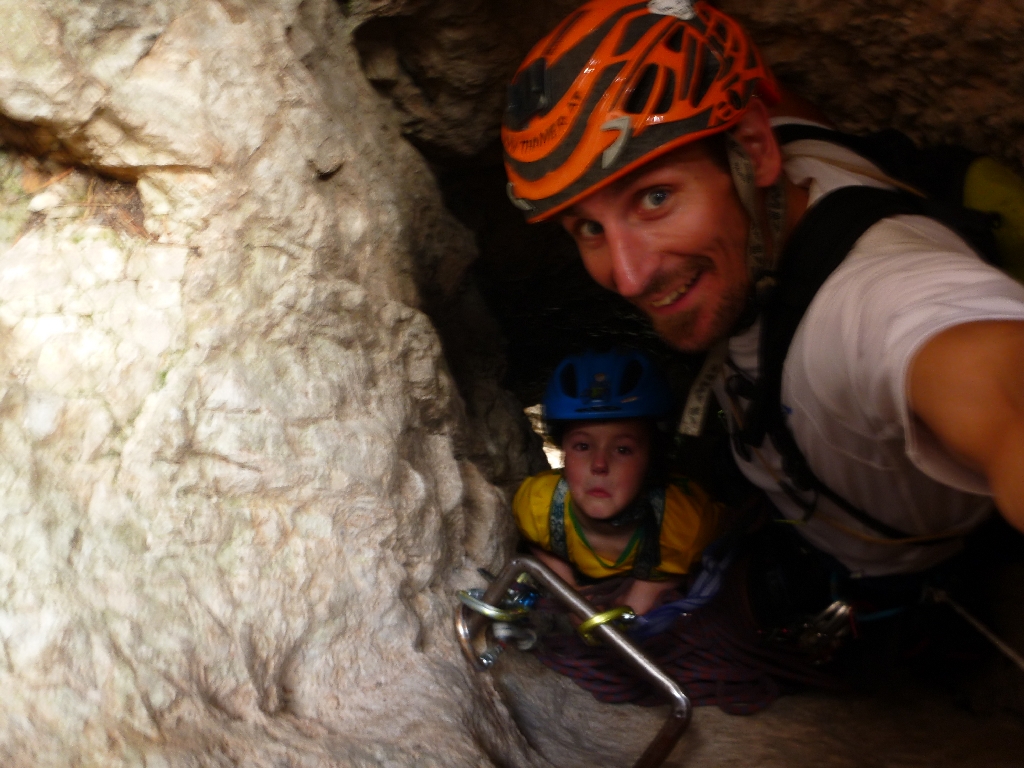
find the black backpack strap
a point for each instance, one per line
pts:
(556, 521)
(821, 241)
(824, 236)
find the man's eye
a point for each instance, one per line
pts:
(653, 198)
(588, 228)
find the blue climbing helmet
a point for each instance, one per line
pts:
(606, 385)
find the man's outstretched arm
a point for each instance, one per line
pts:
(967, 385)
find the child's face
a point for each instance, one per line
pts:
(605, 464)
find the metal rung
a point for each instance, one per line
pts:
(471, 629)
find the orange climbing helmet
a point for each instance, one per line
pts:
(615, 85)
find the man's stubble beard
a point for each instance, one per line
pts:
(681, 330)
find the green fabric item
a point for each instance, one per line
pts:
(626, 551)
(992, 187)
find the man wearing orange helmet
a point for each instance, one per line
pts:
(898, 409)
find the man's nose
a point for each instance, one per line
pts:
(633, 260)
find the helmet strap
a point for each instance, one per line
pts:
(760, 266)
(760, 262)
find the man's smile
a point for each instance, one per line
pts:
(673, 296)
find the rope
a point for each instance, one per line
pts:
(715, 654)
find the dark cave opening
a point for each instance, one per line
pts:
(530, 276)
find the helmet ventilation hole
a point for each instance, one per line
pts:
(675, 41)
(688, 60)
(570, 387)
(668, 93)
(631, 376)
(642, 92)
(708, 71)
(636, 29)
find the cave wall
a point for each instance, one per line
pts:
(239, 481)
(944, 71)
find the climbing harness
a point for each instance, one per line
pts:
(509, 594)
(649, 511)
(714, 562)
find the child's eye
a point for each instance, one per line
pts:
(624, 450)
(580, 446)
(588, 228)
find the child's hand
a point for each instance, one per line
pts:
(642, 596)
(560, 567)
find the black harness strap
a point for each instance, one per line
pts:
(556, 521)
(648, 557)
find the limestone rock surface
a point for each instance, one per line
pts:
(238, 482)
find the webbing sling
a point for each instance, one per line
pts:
(938, 172)
(821, 240)
(648, 555)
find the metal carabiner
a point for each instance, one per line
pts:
(622, 612)
(471, 598)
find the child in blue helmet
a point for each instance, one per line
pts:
(610, 511)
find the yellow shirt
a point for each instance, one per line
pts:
(688, 526)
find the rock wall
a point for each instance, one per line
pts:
(239, 482)
(941, 71)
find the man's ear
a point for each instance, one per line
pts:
(754, 133)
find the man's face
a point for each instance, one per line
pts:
(670, 238)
